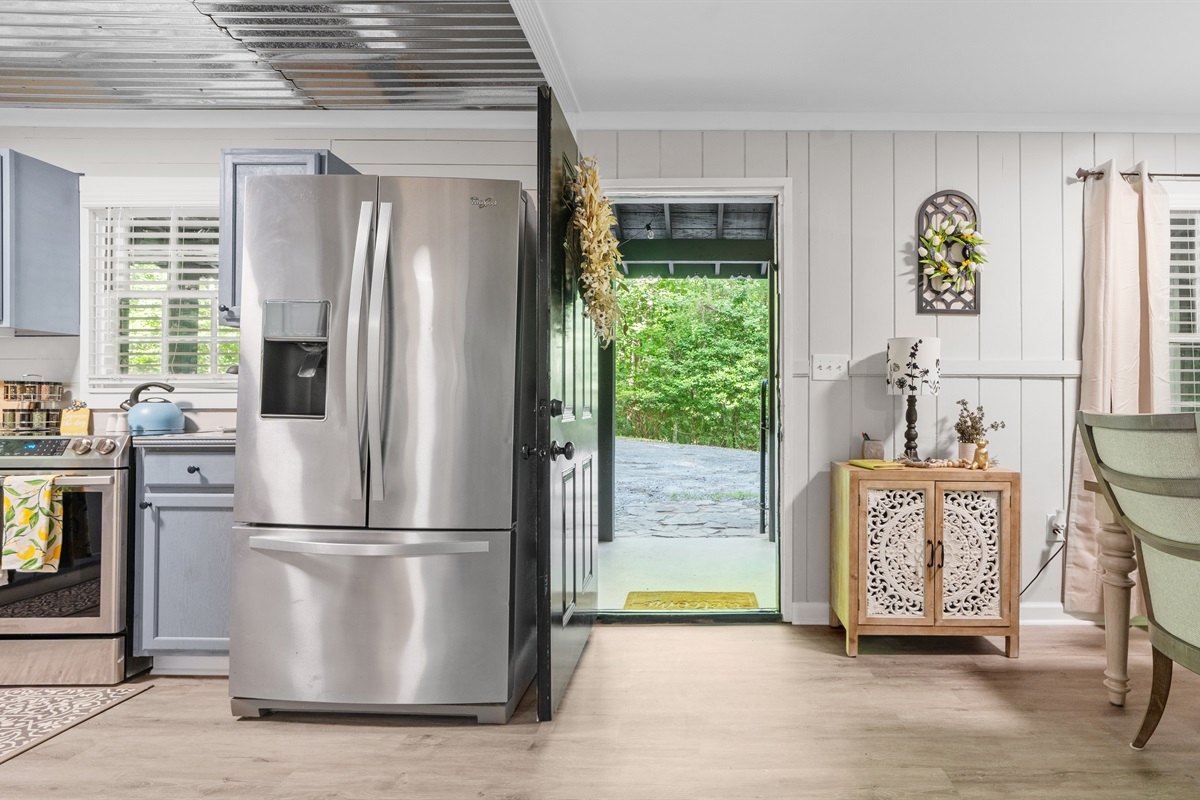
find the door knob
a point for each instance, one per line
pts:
(556, 408)
(566, 449)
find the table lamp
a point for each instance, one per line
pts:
(914, 367)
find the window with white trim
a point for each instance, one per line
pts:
(154, 299)
(1184, 336)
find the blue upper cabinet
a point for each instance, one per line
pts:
(39, 246)
(237, 167)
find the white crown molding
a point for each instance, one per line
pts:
(885, 121)
(529, 15)
(296, 119)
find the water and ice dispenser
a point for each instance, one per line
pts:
(295, 358)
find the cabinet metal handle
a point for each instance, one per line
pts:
(929, 546)
(193, 470)
(145, 504)
(941, 548)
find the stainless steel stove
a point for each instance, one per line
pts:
(70, 626)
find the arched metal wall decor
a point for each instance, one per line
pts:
(933, 295)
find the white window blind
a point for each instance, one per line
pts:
(154, 299)
(1185, 324)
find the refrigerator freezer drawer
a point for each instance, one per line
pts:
(370, 616)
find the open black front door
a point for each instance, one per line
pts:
(567, 426)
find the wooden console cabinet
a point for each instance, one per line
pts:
(925, 552)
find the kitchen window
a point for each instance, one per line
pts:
(1184, 337)
(154, 298)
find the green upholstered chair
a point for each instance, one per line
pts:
(1148, 468)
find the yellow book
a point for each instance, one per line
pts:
(875, 463)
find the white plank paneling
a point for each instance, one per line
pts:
(953, 390)
(1078, 148)
(828, 424)
(872, 246)
(873, 412)
(724, 154)
(958, 168)
(1187, 152)
(829, 242)
(681, 154)
(526, 175)
(371, 152)
(601, 145)
(794, 477)
(914, 179)
(1156, 149)
(1070, 408)
(1041, 481)
(1000, 226)
(1117, 146)
(794, 273)
(1042, 182)
(638, 154)
(1001, 401)
(766, 154)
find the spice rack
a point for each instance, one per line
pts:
(31, 416)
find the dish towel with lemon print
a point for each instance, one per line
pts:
(32, 515)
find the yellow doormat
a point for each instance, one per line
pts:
(689, 601)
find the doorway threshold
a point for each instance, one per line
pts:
(738, 617)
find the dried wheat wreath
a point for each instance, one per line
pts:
(590, 235)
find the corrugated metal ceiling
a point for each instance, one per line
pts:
(180, 54)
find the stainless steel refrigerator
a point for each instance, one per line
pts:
(384, 553)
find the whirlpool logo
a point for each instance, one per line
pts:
(483, 202)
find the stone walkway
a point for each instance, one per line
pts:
(683, 491)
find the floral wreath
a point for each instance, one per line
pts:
(590, 235)
(937, 256)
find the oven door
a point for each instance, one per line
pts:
(85, 595)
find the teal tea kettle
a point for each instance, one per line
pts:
(153, 415)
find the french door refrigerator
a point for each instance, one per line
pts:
(383, 551)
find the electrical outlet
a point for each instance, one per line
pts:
(1056, 526)
(830, 368)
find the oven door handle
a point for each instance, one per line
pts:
(72, 481)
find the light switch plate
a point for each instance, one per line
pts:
(830, 368)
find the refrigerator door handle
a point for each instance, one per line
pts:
(411, 550)
(358, 285)
(383, 240)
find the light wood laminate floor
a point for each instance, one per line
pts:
(702, 711)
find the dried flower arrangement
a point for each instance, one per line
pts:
(970, 425)
(590, 236)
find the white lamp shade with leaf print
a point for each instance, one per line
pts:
(914, 365)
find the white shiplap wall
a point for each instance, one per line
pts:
(854, 201)
(849, 286)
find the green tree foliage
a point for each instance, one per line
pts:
(691, 356)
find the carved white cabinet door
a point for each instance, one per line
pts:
(898, 528)
(973, 561)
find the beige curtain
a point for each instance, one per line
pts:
(1126, 240)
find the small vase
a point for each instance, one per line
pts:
(966, 451)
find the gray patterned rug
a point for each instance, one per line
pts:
(30, 716)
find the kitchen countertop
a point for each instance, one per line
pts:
(185, 440)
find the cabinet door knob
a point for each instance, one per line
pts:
(193, 470)
(144, 504)
(941, 555)
(222, 307)
(929, 546)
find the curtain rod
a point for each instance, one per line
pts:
(1083, 174)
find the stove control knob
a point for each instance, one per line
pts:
(105, 446)
(81, 446)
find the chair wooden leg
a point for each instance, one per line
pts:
(1160, 688)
